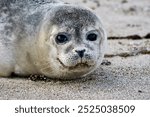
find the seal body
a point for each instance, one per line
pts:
(49, 37)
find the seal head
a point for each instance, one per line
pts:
(74, 43)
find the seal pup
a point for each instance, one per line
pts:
(49, 37)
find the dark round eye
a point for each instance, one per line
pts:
(61, 38)
(92, 37)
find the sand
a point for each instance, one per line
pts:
(125, 74)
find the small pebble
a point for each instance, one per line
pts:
(106, 62)
(37, 77)
(140, 91)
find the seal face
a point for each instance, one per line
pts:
(60, 41)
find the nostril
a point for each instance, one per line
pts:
(80, 52)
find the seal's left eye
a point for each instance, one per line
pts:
(62, 38)
(92, 37)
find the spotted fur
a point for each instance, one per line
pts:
(28, 29)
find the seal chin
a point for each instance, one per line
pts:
(78, 66)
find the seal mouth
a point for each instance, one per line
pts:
(79, 65)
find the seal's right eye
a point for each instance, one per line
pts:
(62, 38)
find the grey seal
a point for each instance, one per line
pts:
(49, 37)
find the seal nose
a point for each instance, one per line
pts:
(80, 52)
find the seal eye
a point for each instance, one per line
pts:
(92, 37)
(62, 38)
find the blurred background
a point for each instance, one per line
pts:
(121, 17)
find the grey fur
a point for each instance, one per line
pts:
(27, 38)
